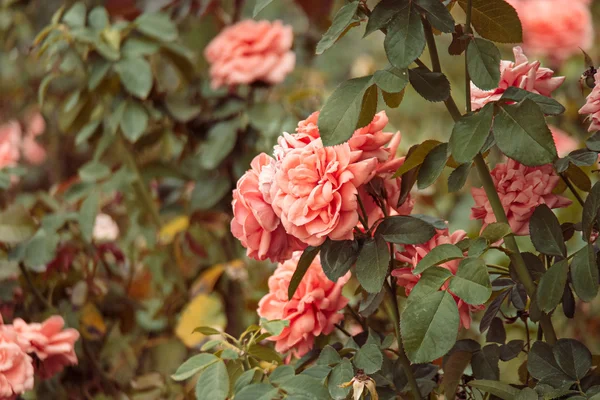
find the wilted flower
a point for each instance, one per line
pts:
(105, 228)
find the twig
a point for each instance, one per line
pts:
(571, 188)
(34, 290)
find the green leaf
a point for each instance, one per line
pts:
(470, 133)
(472, 282)
(527, 394)
(405, 39)
(341, 373)
(542, 365)
(157, 26)
(401, 229)
(75, 16)
(193, 365)
(305, 388)
(337, 256)
(368, 358)
(181, 109)
(339, 116)
(391, 79)
(495, 231)
(478, 246)
(591, 209)
(274, 327)
(416, 157)
(454, 368)
(306, 259)
(39, 250)
(139, 47)
(134, 121)
(522, 134)
(437, 14)
(98, 71)
(552, 285)
(546, 233)
(368, 107)
(98, 18)
(572, 357)
(392, 100)
(432, 166)
(372, 264)
(328, 356)
(458, 177)
(220, 141)
(208, 192)
(259, 6)
(87, 215)
(94, 171)
(382, 14)
(213, 383)
(584, 273)
(258, 391)
(16, 225)
(207, 330)
(430, 282)
(483, 63)
(342, 20)
(429, 326)
(264, 353)
(495, 20)
(498, 389)
(432, 86)
(548, 105)
(135, 75)
(593, 142)
(438, 255)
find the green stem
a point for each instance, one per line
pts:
(139, 186)
(572, 188)
(34, 289)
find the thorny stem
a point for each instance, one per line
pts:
(571, 188)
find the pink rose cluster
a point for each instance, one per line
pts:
(313, 311)
(521, 73)
(521, 189)
(556, 29)
(412, 254)
(307, 192)
(251, 51)
(42, 349)
(592, 105)
(14, 142)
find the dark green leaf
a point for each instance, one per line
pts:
(93, 171)
(139, 47)
(458, 177)
(454, 368)
(429, 326)
(157, 26)
(402, 229)
(259, 391)
(485, 363)
(583, 157)
(328, 356)
(405, 39)
(98, 70)
(220, 141)
(527, 394)
(337, 256)
(522, 134)
(593, 142)
(478, 246)
(496, 333)
(306, 259)
(572, 357)
(495, 231)
(472, 282)
(430, 282)
(341, 22)
(392, 100)
(542, 365)
(373, 263)
(432, 86)
(342, 373)
(382, 14)
(339, 116)
(437, 14)
(258, 7)
(305, 388)
(495, 20)
(483, 63)
(264, 353)
(591, 208)
(134, 121)
(415, 156)
(208, 192)
(368, 358)
(135, 75)
(368, 107)
(207, 330)
(213, 383)
(584, 273)
(391, 80)
(432, 166)
(87, 215)
(548, 105)
(546, 233)
(470, 133)
(552, 284)
(369, 305)
(438, 255)
(181, 109)
(193, 365)
(498, 389)
(511, 349)
(16, 225)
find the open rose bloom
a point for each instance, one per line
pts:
(592, 105)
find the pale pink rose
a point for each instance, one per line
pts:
(306, 132)
(316, 191)
(251, 51)
(564, 142)
(371, 139)
(16, 367)
(412, 254)
(522, 74)
(105, 228)
(556, 29)
(255, 223)
(33, 152)
(10, 144)
(52, 345)
(592, 105)
(313, 311)
(521, 190)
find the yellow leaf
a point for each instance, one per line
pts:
(203, 310)
(168, 232)
(92, 322)
(206, 282)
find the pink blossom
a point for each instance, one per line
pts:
(522, 74)
(371, 139)
(312, 311)
(306, 132)
(33, 152)
(251, 51)
(316, 191)
(52, 345)
(255, 223)
(16, 367)
(563, 141)
(105, 228)
(521, 190)
(10, 143)
(592, 105)
(556, 29)
(412, 254)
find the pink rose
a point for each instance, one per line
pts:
(52, 345)
(556, 29)
(33, 152)
(412, 254)
(251, 51)
(371, 139)
(255, 223)
(313, 311)
(10, 143)
(16, 367)
(563, 141)
(316, 188)
(592, 105)
(521, 190)
(520, 73)
(306, 132)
